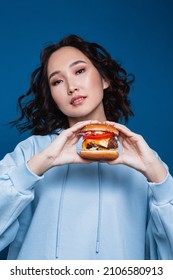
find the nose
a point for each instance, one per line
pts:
(71, 84)
(71, 90)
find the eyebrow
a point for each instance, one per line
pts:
(71, 65)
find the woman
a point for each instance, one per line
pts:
(56, 205)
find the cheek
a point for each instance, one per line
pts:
(97, 87)
(94, 81)
(57, 97)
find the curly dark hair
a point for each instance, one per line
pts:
(38, 109)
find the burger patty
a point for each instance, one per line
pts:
(112, 144)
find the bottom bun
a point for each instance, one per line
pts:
(99, 154)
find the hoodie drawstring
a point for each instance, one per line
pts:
(100, 196)
(60, 210)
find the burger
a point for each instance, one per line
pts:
(99, 142)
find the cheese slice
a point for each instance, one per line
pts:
(99, 142)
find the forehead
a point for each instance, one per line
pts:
(65, 56)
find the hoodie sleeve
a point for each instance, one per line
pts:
(160, 226)
(16, 190)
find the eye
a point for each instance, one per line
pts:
(56, 82)
(80, 71)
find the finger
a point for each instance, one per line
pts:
(124, 130)
(115, 161)
(78, 127)
(118, 125)
(72, 132)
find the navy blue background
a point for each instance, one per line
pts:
(138, 33)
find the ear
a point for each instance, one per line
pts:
(105, 83)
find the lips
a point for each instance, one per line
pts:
(77, 100)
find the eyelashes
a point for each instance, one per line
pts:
(80, 71)
(56, 82)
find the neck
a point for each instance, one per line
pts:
(98, 117)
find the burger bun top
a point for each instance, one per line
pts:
(100, 127)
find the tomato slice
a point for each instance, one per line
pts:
(98, 136)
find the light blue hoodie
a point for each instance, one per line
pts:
(82, 211)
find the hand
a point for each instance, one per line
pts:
(138, 155)
(61, 151)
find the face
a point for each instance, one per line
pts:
(76, 85)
